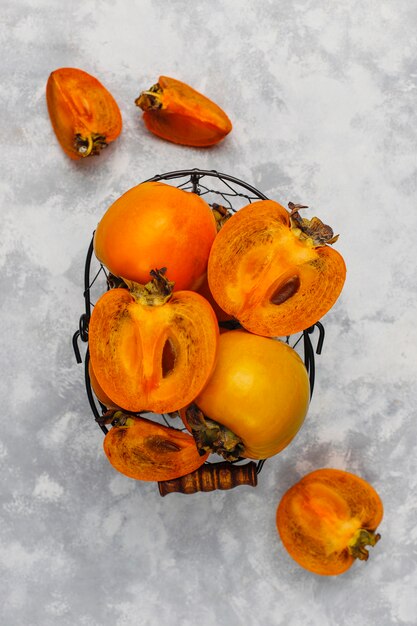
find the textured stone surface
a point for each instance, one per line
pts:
(323, 100)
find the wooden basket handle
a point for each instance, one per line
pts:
(212, 476)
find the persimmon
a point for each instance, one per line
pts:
(327, 519)
(255, 401)
(273, 270)
(177, 112)
(142, 449)
(157, 225)
(84, 114)
(152, 349)
(204, 290)
(99, 393)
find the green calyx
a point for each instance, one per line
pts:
(361, 539)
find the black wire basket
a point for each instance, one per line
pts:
(233, 194)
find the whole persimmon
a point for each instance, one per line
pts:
(273, 270)
(157, 225)
(255, 401)
(327, 519)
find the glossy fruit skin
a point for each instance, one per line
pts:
(154, 225)
(145, 450)
(128, 344)
(319, 517)
(261, 272)
(81, 110)
(259, 390)
(185, 116)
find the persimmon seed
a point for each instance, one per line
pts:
(286, 290)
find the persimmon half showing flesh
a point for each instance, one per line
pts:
(142, 449)
(84, 114)
(255, 401)
(151, 349)
(273, 270)
(327, 519)
(157, 225)
(178, 113)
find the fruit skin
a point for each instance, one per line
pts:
(144, 450)
(259, 390)
(326, 520)
(155, 225)
(176, 112)
(150, 356)
(84, 115)
(273, 271)
(98, 392)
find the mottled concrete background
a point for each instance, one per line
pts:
(323, 99)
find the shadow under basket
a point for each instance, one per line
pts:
(232, 194)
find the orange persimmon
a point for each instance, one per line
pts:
(204, 290)
(98, 392)
(327, 519)
(157, 225)
(84, 115)
(178, 113)
(151, 349)
(273, 270)
(142, 449)
(255, 401)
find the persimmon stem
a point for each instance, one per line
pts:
(314, 230)
(90, 145)
(151, 99)
(210, 436)
(156, 292)
(361, 539)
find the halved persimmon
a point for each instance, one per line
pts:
(157, 225)
(151, 349)
(273, 270)
(142, 449)
(177, 112)
(84, 114)
(327, 519)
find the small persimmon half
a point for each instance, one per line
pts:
(151, 349)
(144, 450)
(84, 114)
(176, 112)
(273, 270)
(327, 519)
(157, 225)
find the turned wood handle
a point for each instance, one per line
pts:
(210, 477)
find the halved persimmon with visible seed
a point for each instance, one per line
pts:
(84, 114)
(327, 519)
(142, 449)
(151, 349)
(273, 270)
(177, 112)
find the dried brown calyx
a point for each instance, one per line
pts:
(156, 292)
(151, 99)
(221, 215)
(319, 233)
(91, 145)
(210, 436)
